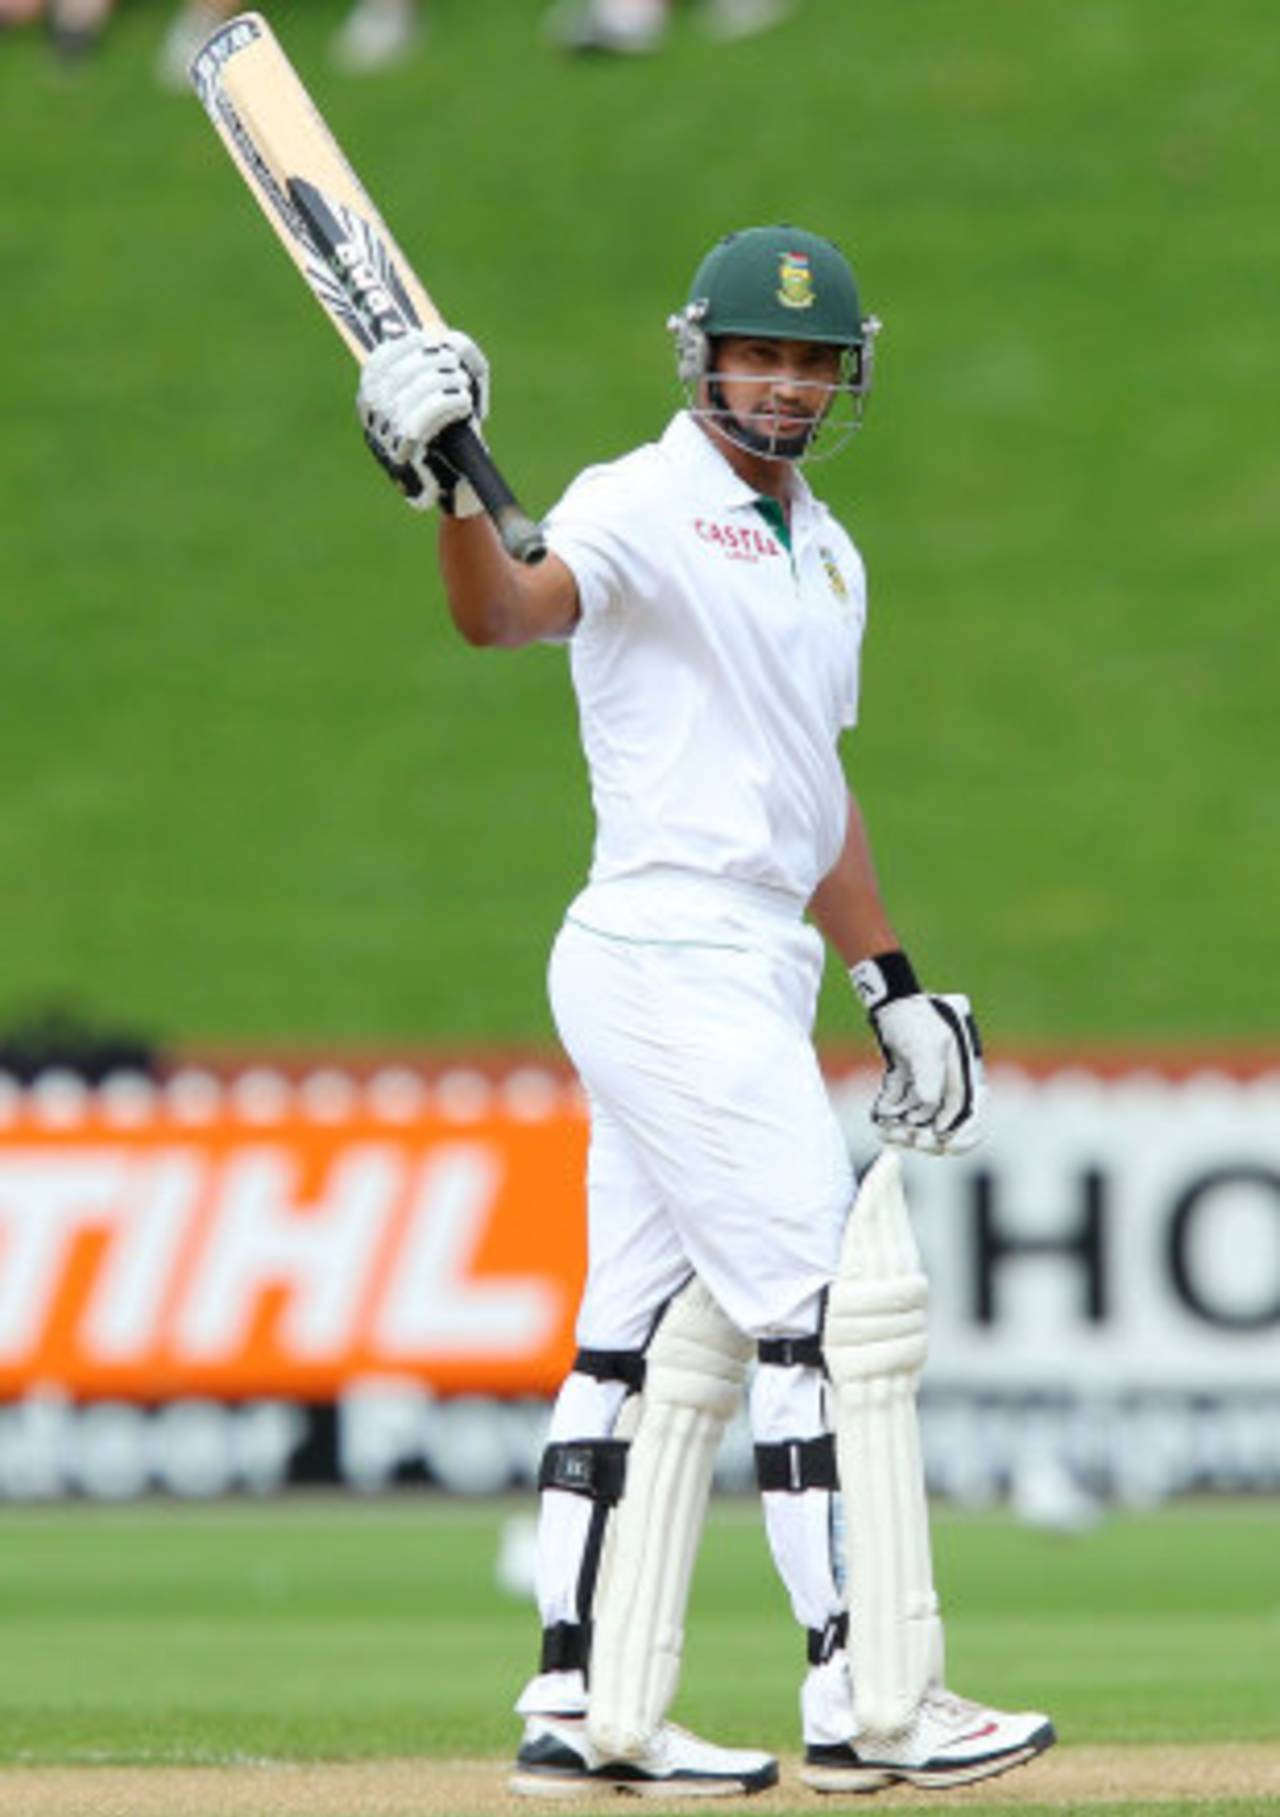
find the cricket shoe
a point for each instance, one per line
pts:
(952, 1741)
(556, 1760)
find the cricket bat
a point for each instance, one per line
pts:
(331, 230)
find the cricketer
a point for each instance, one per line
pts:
(713, 611)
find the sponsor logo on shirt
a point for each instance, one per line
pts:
(737, 542)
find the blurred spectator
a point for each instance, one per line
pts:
(374, 34)
(74, 26)
(19, 12)
(634, 27)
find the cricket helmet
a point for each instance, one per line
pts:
(778, 283)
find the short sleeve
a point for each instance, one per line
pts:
(592, 530)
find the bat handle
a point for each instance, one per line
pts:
(466, 454)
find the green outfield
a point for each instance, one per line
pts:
(343, 1631)
(254, 789)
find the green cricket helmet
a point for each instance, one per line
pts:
(775, 283)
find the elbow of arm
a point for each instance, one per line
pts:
(502, 626)
(486, 629)
(479, 636)
(496, 635)
(520, 608)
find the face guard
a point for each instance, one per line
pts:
(836, 409)
(776, 284)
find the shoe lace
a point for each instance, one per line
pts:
(949, 1705)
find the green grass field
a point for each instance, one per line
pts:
(338, 1630)
(255, 790)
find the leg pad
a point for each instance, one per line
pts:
(875, 1347)
(693, 1382)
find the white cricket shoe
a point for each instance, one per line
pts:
(952, 1741)
(556, 1760)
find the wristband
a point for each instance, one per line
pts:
(884, 979)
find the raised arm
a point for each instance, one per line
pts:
(412, 389)
(496, 601)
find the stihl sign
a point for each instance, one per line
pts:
(239, 1260)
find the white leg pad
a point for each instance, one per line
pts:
(874, 1341)
(694, 1369)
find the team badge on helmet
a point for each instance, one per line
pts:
(795, 281)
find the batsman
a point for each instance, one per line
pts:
(713, 611)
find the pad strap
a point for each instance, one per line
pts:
(795, 1464)
(564, 1647)
(612, 1366)
(594, 1467)
(788, 1353)
(825, 1641)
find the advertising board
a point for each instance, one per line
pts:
(211, 1283)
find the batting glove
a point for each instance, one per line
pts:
(934, 1086)
(412, 388)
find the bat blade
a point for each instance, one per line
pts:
(277, 137)
(365, 291)
(327, 223)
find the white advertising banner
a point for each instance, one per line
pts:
(1109, 1233)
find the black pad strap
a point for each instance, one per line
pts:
(798, 1463)
(823, 1642)
(564, 1647)
(786, 1352)
(594, 1467)
(612, 1366)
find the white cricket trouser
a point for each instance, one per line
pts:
(687, 1009)
(714, 1146)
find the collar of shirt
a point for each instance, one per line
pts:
(706, 472)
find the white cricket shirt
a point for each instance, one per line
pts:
(714, 668)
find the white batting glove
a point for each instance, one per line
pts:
(412, 388)
(934, 1087)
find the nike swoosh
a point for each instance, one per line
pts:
(988, 1728)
